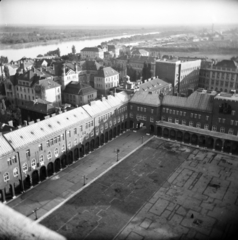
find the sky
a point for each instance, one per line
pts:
(118, 12)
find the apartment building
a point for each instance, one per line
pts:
(92, 53)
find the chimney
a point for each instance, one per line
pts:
(10, 123)
(25, 123)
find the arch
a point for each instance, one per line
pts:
(210, 142)
(27, 182)
(8, 192)
(43, 173)
(152, 129)
(2, 195)
(81, 151)
(179, 136)
(114, 132)
(97, 141)
(202, 141)
(234, 148)
(18, 187)
(118, 129)
(131, 124)
(122, 127)
(35, 177)
(186, 137)
(63, 161)
(102, 139)
(86, 147)
(166, 133)
(50, 169)
(159, 131)
(92, 144)
(218, 145)
(172, 134)
(76, 154)
(125, 125)
(70, 157)
(106, 137)
(57, 165)
(227, 146)
(194, 139)
(110, 134)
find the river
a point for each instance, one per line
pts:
(65, 47)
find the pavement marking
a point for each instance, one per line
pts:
(89, 183)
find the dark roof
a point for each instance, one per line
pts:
(122, 58)
(227, 64)
(78, 88)
(91, 49)
(106, 72)
(48, 83)
(142, 59)
(91, 65)
(146, 98)
(197, 101)
(31, 75)
(111, 47)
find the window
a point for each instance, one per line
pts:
(198, 125)
(51, 141)
(151, 119)
(214, 128)
(40, 147)
(232, 122)
(33, 163)
(75, 141)
(28, 154)
(199, 116)
(184, 114)
(69, 145)
(131, 115)
(59, 139)
(63, 148)
(24, 167)
(41, 159)
(49, 156)
(14, 159)
(131, 107)
(223, 120)
(191, 124)
(69, 133)
(55, 140)
(176, 121)
(222, 129)
(173, 111)
(233, 112)
(181, 113)
(106, 125)
(15, 172)
(163, 110)
(183, 122)
(230, 131)
(56, 152)
(191, 115)
(169, 119)
(144, 109)
(167, 110)
(177, 112)
(138, 108)
(207, 118)
(163, 118)
(219, 120)
(206, 126)
(48, 143)
(6, 177)
(152, 110)
(195, 115)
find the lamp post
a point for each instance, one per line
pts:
(118, 150)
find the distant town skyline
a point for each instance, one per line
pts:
(118, 12)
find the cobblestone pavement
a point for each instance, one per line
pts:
(61, 186)
(102, 209)
(198, 201)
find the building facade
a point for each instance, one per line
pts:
(92, 53)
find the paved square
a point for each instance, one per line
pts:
(164, 190)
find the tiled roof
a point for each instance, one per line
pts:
(197, 101)
(106, 72)
(227, 64)
(78, 88)
(22, 137)
(146, 98)
(153, 85)
(5, 147)
(91, 49)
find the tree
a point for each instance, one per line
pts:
(73, 49)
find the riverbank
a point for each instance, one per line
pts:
(58, 41)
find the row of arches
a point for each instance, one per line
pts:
(12, 190)
(200, 140)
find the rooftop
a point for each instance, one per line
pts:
(78, 88)
(106, 72)
(197, 100)
(5, 147)
(91, 49)
(153, 84)
(20, 138)
(146, 98)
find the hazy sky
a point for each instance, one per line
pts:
(118, 12)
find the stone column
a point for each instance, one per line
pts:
(3, 195)
(13, 191)
(30, 176)
(214, 144)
